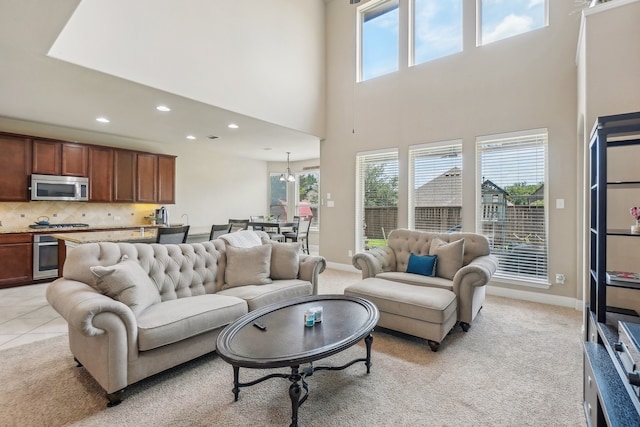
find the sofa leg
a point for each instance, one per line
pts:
(433, 345)
(114, 398)
(465, 326)
(78, 364)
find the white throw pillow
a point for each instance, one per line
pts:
(128, 283)
(285, 260)
(248, 266)
(450, 256)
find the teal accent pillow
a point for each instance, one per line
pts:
(424, 265)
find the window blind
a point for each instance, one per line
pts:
(376, 197)
(435, 187)
(513, 205)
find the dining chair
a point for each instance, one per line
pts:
(259, 218)
(239, 224)
(172, 234)
(218, 230)
(300, 234)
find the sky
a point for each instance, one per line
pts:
(438, 30)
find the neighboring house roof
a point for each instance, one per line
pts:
(490, 185)
(443, 190)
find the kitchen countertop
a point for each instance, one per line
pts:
(27, 229)
(131, 236)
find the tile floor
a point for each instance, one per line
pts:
(26, 316)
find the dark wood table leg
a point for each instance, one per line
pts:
(294, 394)
(368, 341)
(236, 382)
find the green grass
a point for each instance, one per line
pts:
(372, 243)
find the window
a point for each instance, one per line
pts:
(376, 197)
(513, 203)
(278, 197)
(501, 19)
(378, 24)
(435, 187)
(308, 195)
(437, 29)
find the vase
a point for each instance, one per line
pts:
(635, 229)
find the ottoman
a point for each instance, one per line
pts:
(421, 311)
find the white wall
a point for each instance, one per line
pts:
(263, 59)
(524, 82)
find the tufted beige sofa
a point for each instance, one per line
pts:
(467, 282)
(175, 319)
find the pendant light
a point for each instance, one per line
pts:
(288, 176)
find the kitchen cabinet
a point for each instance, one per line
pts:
(16, 259)
(166, 179)
(59, 158)
(100, 174)
(15, 168)
(147, 179)
(124, 176)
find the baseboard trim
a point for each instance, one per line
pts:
(342, 267)
(499, 291)
(535, 297)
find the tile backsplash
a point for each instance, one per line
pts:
(21, 214)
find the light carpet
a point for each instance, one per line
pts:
(520, 364)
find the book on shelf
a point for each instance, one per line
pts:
(623, 276)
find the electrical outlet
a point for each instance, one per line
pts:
(559, 279)
(350, 253)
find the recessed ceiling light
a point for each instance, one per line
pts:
(233, 126)
(163, 108)
(191, 137)
(103, 120)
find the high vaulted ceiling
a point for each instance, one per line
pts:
(67, 62)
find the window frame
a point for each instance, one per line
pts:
(412, 35)
(479, 23)
(422, 150)
(501, 275)
(360, 19)
(363, 159)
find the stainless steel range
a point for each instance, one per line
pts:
(45, 250)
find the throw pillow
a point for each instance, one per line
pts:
(450, 256)
(248, 266)
(128, 283)
(285, 260)
(424, 265)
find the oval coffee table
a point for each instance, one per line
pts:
(286, 342)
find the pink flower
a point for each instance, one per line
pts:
(635, 212)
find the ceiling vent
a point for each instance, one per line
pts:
(212, 137)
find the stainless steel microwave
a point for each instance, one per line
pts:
(64, 188)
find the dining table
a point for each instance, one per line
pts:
(273, 228)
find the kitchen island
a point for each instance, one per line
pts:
(68, 240)
(141, 235)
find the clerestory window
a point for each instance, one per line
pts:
(499, 19)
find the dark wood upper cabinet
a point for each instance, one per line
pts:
(59, 158)
(74, 160)
(15, 168)
(100, 174)
(124, 176)
(166, 179)
(47, 157)
(147, 185)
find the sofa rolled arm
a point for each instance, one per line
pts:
(79, 304)
(477, 273)
(310, 267)
(374, 261)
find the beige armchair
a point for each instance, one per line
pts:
(462, 267)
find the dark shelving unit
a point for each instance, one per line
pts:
(609, 399)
